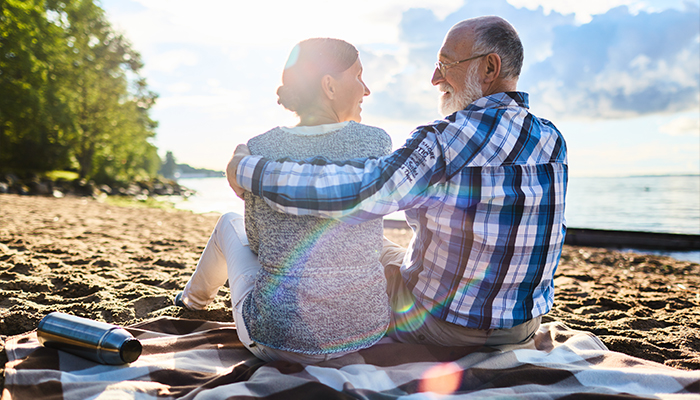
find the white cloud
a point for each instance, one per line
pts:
(170, 61)
(683, 126)
(615, 65)
(217, 103)
(179, 87)
(265, 22)
(218, 63)
(621, 65)
(585, 10)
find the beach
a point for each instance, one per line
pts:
(124, 265)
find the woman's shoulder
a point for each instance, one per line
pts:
(378, 136)
(276, 131)
(266, 138)
(369, 129)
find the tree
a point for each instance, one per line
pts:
(34, 120)
(111, 118)
(169, 167)
(75, 98)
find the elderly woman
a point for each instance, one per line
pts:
(303, 289)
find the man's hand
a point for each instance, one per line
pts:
(241, 151)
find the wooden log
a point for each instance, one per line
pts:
(612, 238)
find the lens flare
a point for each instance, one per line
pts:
(441, 379)
(411, 315)
(293, 266)
(409, 318)
(293, 57)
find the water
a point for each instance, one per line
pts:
(669, 204)
(213, 195)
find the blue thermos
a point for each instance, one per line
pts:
(96, 341)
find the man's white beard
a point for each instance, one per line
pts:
(459, 101)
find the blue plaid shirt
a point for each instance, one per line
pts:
(484, 192)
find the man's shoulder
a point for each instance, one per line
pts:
(498, 130)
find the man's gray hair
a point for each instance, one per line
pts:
(501, 38)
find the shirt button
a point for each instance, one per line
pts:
(421, 337)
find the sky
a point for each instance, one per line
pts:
(619, 78)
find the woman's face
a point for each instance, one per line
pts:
(350, 92)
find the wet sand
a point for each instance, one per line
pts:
(123, 265)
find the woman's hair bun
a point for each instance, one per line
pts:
(308, 62)
(287, 98)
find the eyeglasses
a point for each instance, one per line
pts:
(442, 67)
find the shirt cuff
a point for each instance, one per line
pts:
(249, 173)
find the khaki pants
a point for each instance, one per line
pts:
(412, 323)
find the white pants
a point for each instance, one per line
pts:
(227, 256)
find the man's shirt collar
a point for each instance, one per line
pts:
(498, 100)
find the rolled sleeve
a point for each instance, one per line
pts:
(246, 173)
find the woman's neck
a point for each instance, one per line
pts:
(312, 119)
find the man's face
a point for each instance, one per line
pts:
(455, 98)
(461, 83)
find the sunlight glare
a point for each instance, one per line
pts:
(441, 379)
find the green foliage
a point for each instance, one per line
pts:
(61, 175)
(147, 202)
(32, 122)
(72, 96)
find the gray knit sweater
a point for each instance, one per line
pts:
(321, 288)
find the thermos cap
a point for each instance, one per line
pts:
(130, 350)
(118, 342)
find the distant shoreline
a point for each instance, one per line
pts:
(218, 174)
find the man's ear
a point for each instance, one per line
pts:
(328, 86)
(492, 67)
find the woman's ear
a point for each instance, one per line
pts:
(328, 86)
(492, 67)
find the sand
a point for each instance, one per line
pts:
(123, 265)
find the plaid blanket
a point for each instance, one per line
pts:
(188, 359)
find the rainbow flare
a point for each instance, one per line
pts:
(411, 316)
(297, 259)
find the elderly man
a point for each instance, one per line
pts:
(483, 190)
